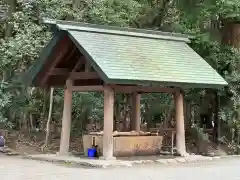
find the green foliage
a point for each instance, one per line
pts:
(204, 20)
(5, 102)
(225, 60)
(111, 12)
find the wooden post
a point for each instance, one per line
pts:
(66, 120)
(180, 129)
(136, 112)
(108, 123)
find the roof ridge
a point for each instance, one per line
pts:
(79, 26)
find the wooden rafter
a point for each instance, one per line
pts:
(87, 67)
(71, 53)
(77, 66)
(87, 88)
(81, 61)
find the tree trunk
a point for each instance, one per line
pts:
(24, 124)
(216, 129)
(43, 113)
(147, 116)
(171, 118)
(238, 140)
(187, 112)
(76, 3)
(207, 109)
(47, 137)
(124, 113)
(231, 36)
(31, 122)
(233, 135)
(231, 33)
(11, 9)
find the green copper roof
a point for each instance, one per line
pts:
(132, 56)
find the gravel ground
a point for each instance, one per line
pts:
(13, 168)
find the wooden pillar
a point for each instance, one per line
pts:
(66, 120)
(180, 129)
(136, 112)
(108, 123)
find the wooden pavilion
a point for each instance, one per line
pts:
(86, 57)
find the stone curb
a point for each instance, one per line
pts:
(175, 161)
(77, 163)
(186, 160)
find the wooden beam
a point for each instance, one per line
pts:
(125, 89)
(88, 82)
(69, 84)
(87, 67)
(135, 122)
(83, 75)
(59, 72)
(142, 89)
(74, 75)
(87, 88)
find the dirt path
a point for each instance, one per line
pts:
(12, 168)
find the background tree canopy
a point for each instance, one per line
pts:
(214, 26)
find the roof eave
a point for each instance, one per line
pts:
(167, 84)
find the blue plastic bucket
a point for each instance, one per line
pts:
(92, 152)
